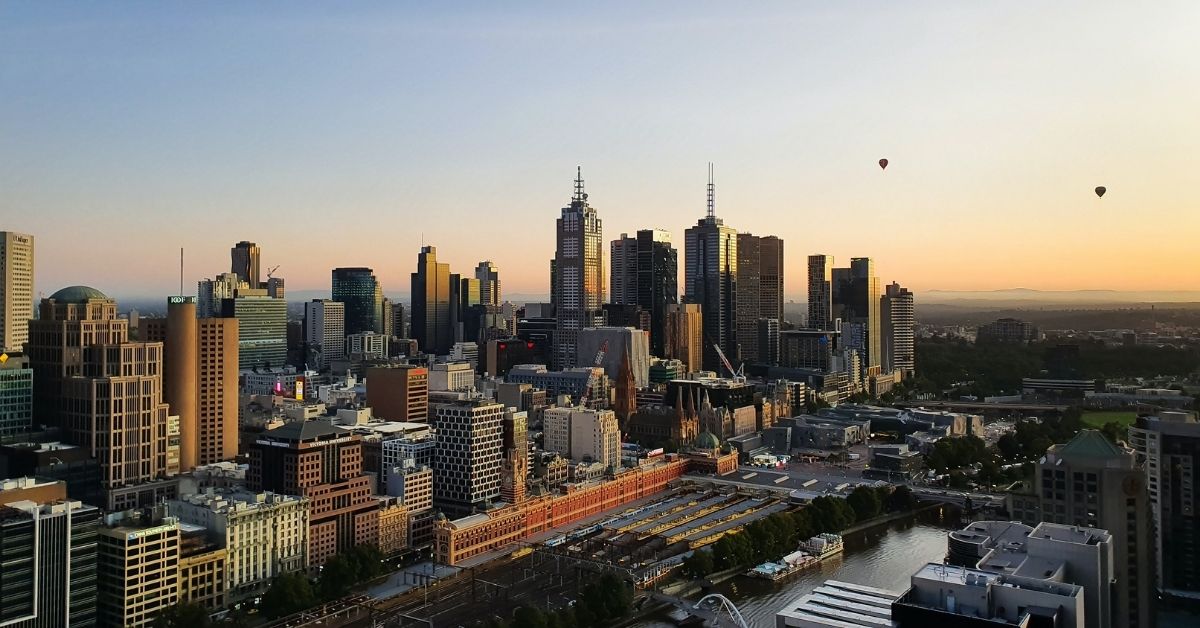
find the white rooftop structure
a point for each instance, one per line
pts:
(839, 604)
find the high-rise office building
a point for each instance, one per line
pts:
(399, 392)
(431, 316)
(324, 463)
(856, 297)
(899, 320)
(1091, 482)
(489, 283)
(578, 275)
(275, 288)
(104, 392)
(514, 438)
(387, 326)
(16, 396)
(623, 267)
(1169, 447)
(49, 548)
(622, 342)
(820, 292)
(399, 314)
(262, 330)
(218, 390)
(16, 298)
(759, 289)
(362, 295)
(211, 293)
(466, 463)
(325, 331)
(245, 256)
(138, 567)
(685, 335)
(464, 302)
(181, 377)
(710, 280)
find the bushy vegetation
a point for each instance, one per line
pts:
(771, 537)
(293, 592)
(602, 603)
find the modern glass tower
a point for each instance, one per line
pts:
(431, 306)
(710, 280)
(362, 294)
(245, 258)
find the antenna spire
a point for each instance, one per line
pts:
(580, 195)
(181, 271)
(712, 193)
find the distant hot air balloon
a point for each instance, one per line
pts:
(883, 164)
(1100, 191)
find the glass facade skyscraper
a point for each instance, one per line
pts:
(262, 331)
(16, 400)
(362, 294)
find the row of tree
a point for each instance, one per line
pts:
(604, 602)
(773, 536)
(294, 592)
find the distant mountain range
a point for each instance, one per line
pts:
(1059, 296)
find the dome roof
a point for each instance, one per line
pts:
(707, 440)
(77, 294)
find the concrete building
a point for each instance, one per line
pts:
(399, 392)
(1007, 330)
(685, 336)
(359, 291)
(263, 534)
(466, 463)
(809, 349)
(104, 392)
(583, 435)
(623, 342)
(899, 320)
(451, 376)
(262, 329)
(366, 346)
(710, 280)
(1168, 446)
(137, 569)
(571, 382)
(820, 292)
(577, 287)
(49, 549)
(812, 432)
(211, 293)
(953, 596)
(323, 463)
(431, 304)
(393, 526)
(246, 263)
(202, 567)
(324, 332)
(1094, 483)
(16, 298)
(16, 396)
(837, 604)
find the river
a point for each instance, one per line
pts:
(882, 557)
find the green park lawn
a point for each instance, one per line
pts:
(1098, 419)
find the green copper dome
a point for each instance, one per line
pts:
(77, 294)
(707, 440)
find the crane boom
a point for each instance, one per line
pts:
(724, 360)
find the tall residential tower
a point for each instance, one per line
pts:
(16, 299)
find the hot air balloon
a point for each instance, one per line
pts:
(1100, 191)
(883, 164)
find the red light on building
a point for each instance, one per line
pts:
(503, 346)
(529, 345)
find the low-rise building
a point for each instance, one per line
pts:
(393, 525)
(137, 570)
(202, 568)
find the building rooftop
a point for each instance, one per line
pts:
(1090, 444)
(842, 605)
(304, 430)
(78, 294)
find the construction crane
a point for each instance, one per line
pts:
(591, 381)
(271, 272)
(738, 375)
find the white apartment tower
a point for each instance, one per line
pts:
(325, 331)
(16, 300)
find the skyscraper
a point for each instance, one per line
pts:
(362, 295)
(464, 296)
(16, 299)
(578, 274)
(466, 463)
(217, 378)
(431, 306)
(181, 381)
(104, 391)
(489, 283)
(515, 442)
(685, 335)
(262, 330)
(856, 296)
(899, 318)
(820, 292)
(623, 267)
(210, 293)
(710, 280)
(759, 289)
(245, 262)
(1169, 447)
(325, 331)
(1091, 482)
(657, 282)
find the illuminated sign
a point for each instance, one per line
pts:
(300, 388)
(178, 300)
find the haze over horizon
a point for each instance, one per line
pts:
(347, 137)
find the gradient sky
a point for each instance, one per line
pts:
(342, 134)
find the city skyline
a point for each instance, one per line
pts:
(412, 121)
